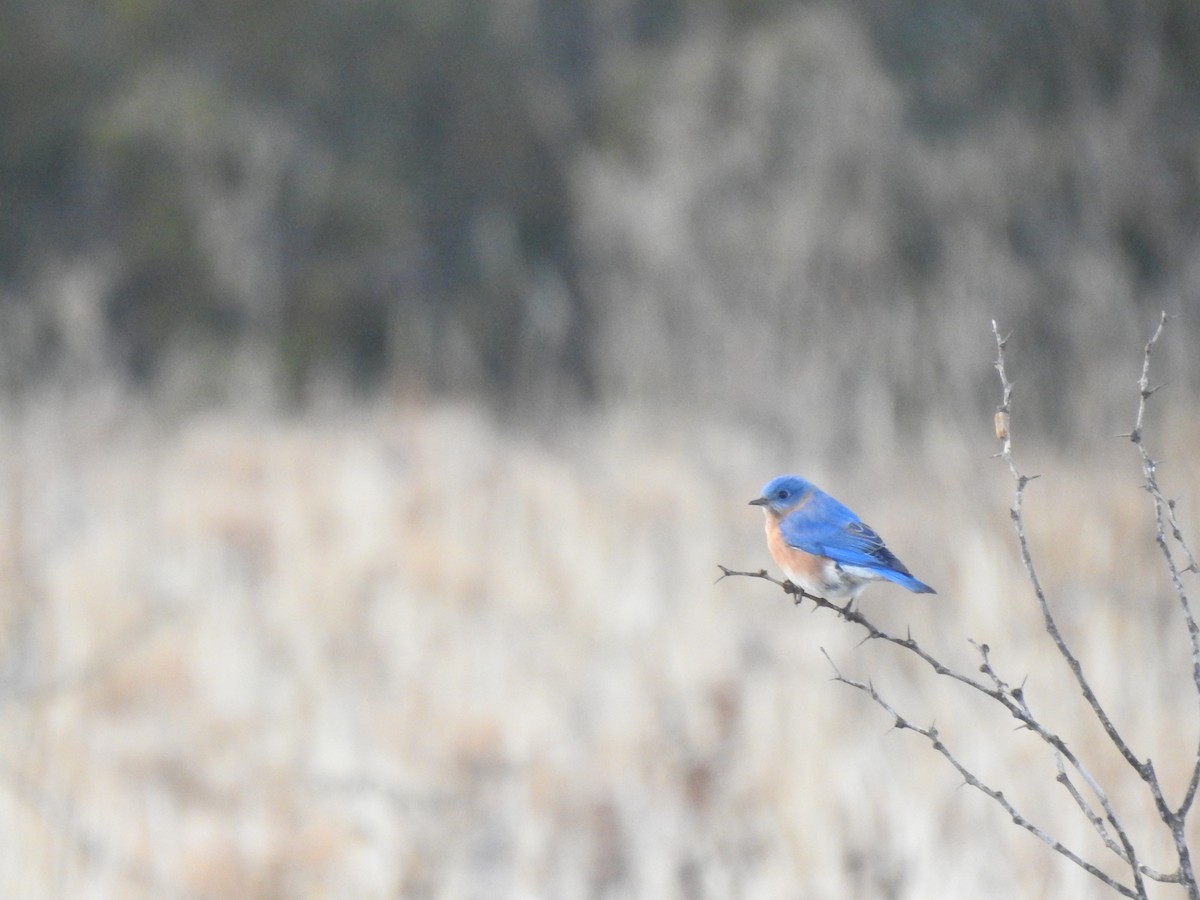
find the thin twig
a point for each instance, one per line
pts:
(1101, 829)
(1144, 770)
(1012, 699)
(1017, 515)
(1164, 518)
(1097, 822)
(931, 734)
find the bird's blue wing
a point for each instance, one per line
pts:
(824, 527)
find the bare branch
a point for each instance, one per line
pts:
(1104, 819)
(1165, 521)
(1012, 699)
(1101, 829)
(1017, 513)
(1145, 770)
(1164, 513)
(788, 587)
(931, 735)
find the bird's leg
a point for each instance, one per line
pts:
(798, 593)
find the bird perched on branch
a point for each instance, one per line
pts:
(822, 546)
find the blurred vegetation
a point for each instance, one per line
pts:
(593, 199)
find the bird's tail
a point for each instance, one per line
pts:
(904, 579)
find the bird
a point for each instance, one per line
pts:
(823, 547)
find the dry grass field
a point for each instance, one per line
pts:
(409, 650)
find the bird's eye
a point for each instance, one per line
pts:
(783, 493)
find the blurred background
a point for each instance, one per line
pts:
(381, 384)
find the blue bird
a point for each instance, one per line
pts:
(822, 546)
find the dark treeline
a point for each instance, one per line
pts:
(397, 191)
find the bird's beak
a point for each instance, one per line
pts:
(761, 501)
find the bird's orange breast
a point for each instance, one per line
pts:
(802, 568)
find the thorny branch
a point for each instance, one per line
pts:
(1164, 519)
(931, 735)
(1105, 820)
(1017, 514)
(1011, 698)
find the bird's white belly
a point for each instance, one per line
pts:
(832, 581)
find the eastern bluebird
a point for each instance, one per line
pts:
(823, 547)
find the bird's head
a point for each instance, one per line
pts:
(782, 494)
